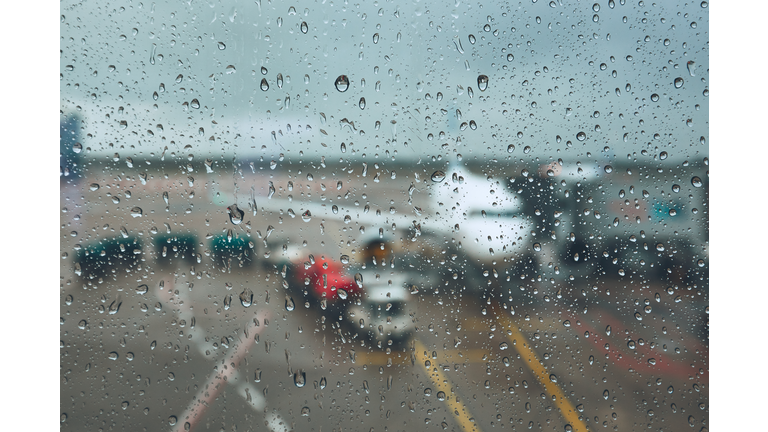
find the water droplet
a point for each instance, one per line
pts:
(375, 38)
(654, 97)
(299, 378)
(195, 104)
(482, 82)
(172, 420)
(510, 148)
(323, 383)
(279, 80)
(472, 39)
(581, 136)
(137, 212)
(359, 280)
(608, 330)
(246, 297)
(305, 410)
(112, 356)
(289, 304)
(503, 346)
(679, 82)
(441, 395)
(342, 83)
(510, 57)
(608, 169)
(342, 293)
(361, 104)
(142, 289)
(227, 302)
(438, 176)
(306, 216)
(82, 324)
(304, 27)
(264, 84)
(235, 214)
(94, 187)
(553, 378)
(222, 46)
(696, 181)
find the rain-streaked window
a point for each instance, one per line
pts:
(384, 215)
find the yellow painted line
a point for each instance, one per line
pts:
(522, 345)
(380, 358)
(442, 384)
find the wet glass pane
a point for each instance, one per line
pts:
(384, 215)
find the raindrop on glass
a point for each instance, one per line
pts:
(246, 297)
(235, 214)
(438, 176)
(482, 82)
(299, 378)
(342, 293)
(342, 83)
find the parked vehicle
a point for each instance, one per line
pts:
(645, 220)
(386, 310)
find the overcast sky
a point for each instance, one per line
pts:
(550, 69)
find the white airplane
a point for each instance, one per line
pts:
(476, 216)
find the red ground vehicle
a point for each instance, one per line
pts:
(324, 278)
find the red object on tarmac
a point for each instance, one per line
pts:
(326, 277)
